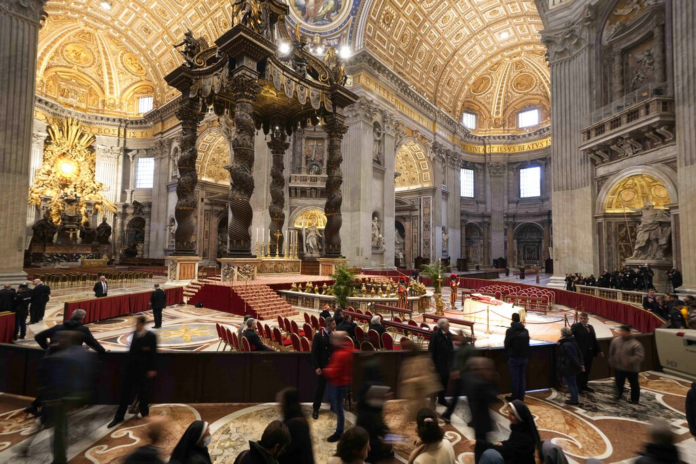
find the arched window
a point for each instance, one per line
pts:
(528, 118)
(469, 120)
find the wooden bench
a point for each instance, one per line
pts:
(392, 309)
(530, 303)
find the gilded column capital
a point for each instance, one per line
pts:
(29, 10)
(564, 43)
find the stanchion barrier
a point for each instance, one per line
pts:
(488, 320)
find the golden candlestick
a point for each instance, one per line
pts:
(263, 249)
(277, 236)
(257, 249)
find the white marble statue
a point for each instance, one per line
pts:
(312, 241)
(653, 234)
(375, 232)
(445, 241)
(172, 234)
(380, 243)
(399, 243)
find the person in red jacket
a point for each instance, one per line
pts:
(339, 374)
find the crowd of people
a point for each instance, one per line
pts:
(67, 381)
(626, 278)
(678, 313)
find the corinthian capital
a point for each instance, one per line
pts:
(567, 41)
(362, 110)
(31, 10)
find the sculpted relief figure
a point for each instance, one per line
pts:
(103, 232)
(445, 241)
(653, 234)
(375, 232)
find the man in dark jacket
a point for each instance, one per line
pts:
(661, 448)
(650, 302)
(570, 364)
(517, 349)
(7, 296)
(39, 298)
(22, 299)
(690, 405)
(74, 324)
(676, 317)
(325, 312)
(321, 352)
(338, 316)
(255, 343)
(586, 338)
(138, 372)
(158, 301)
(441, 349)
(265, 451)
(101, 288)
(348, 326)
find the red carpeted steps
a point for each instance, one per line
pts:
(194, 286)
(262, 302)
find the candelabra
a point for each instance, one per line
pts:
(277, 236)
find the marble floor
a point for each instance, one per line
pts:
(602, 428)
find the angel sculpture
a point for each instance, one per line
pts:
(336, 66)
(192, 47)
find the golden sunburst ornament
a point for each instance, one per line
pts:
(186, 333)
(68, 168)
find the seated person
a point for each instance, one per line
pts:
(325, 312)
(348, 326)
(276, 437)
(338, 316)
(252, 337)
(521, 445)
(376, 325)
(352, 447)
(432, 447)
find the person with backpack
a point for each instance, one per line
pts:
(517, 349)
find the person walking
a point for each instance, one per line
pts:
(321, 353)
(299, 451)
(158, 301)
(22, 299)
(625, 355)
(586, 338)
(139, 371)
(339, 374)
(40, 295)
(517, 350)
(570, 364)
(441, 349)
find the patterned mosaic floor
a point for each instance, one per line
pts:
(613, 432)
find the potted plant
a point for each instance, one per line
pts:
(343, 285)
(434, 272)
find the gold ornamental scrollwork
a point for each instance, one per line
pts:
(68, 170)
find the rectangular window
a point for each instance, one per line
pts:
(530, 182)
(469, 120)
(144, 173)
(528, 118)
(467, 181)
(144, 104)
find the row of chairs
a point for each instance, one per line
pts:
(57, 280)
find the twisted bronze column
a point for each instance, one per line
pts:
(278, 145)
(190, 116)
(332, 233)
(245, 87)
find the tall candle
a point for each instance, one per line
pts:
(257, 235)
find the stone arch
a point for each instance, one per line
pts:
(473, 243)
(529, 238)
(414, 165)
(309, 213)
(660, 172)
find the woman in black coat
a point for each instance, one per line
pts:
(521, 445)
(299, 451)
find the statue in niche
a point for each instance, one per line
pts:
(653, 234)
(377, 135)
(375, 231)
(87, 234)
(313, 241)
(380, 243)
(445, 241)
(171, 241)
(399, 243)
(103, 232)
(645, 63)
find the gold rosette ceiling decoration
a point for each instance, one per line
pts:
(68, 172)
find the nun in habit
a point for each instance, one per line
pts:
(521, 445)
(193, 446)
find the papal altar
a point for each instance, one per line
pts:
(483, 308)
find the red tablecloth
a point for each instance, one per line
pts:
(7, 325)
(643, 320)
(99, 309)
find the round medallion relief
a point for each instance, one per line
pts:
(77, 54)
(523, 82)
(481, 85)
(132, 64)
